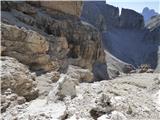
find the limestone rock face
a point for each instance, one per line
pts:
(69, 7)
(82, 40)
(69, 40)
(17, 77)
(27, 46)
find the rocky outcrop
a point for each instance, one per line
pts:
(17, 77)
(69, 41)
(81, 41)
(69, 7)
(27, 46)
(82, 75)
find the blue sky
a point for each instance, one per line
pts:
(136, 5)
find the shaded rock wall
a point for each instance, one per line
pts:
(105, 16)
(124, 36)
(154, 26)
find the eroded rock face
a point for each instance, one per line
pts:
(69, 7)
(27, 46)
(17, 77)
(69, 40)
(82, 41)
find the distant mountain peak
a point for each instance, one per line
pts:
(148, 13)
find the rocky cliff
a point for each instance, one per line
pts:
(126, 40)
(106, 17)
(53, 39)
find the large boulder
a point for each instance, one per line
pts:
(115, 66)
(82, 75)
(17, 77)
(66, 86)
(28, 46)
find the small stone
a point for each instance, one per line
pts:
(132, 71)
(150, 71)
(21, 100)
(3, 99)
(129, 110)
(13, 97)
(117, 116)
(8, 91)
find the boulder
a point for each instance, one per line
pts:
(17, 77)
(115, 66)
(66, 86)
(45, 82)
(37, 109)
(28, 46)
(82, 75)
